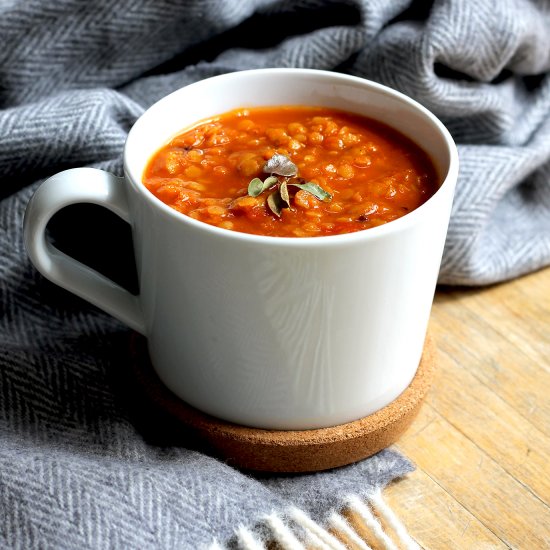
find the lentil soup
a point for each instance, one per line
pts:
(369, 173)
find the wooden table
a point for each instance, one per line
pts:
(481, 443)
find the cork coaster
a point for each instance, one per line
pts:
(289, 451)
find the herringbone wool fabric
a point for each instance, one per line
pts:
(80, 466)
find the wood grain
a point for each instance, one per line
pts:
(481, 443)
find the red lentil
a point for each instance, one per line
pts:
(373, 173)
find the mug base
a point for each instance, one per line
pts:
(288, 451)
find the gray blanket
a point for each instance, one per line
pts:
(79, 466)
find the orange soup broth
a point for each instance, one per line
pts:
(374, 174)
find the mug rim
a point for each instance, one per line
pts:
(401, 224)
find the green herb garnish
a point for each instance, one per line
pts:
(257, 186)
(282, 174)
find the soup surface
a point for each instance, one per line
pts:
(291, 172)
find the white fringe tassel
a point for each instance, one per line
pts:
(283, 534)
(315, 531)
(387, 513)
(341, 525)
(362, 510)
(248, 540)
(316, 536)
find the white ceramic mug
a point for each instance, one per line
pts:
(281, 333)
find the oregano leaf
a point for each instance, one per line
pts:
(283, 191)
(255, 187)
(280, 165)
(283, 172)
(316, 190)
(275, 203)
(269, 181)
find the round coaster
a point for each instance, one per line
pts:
(295, 450)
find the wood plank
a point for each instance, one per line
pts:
(434, 518)
(493, 359)
(478, 483)
(477, 412)
(518, 310)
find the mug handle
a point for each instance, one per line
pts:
(78, 185)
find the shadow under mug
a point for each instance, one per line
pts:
(269, 332)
